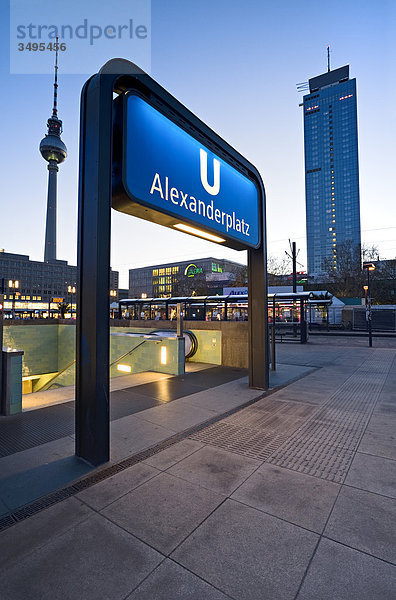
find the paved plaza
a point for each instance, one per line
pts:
(220, 491)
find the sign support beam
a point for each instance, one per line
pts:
(93, 330)
(258, 316)
(94, 228)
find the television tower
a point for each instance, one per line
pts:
(54, 151)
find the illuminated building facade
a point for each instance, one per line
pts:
(331, 168)
(40, 282)
(184, 278)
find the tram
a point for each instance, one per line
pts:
(283, 308)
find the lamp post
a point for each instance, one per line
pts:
(113, 294)
(369, 266)
(13, 284)
(72, 290)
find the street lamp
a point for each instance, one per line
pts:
(13, 284)
(369, 266)
(113, 294)
(72, 290)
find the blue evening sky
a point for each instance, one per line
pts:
(236, 65)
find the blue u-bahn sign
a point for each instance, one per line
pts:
(167, 175)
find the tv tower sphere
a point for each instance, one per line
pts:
(51, 146)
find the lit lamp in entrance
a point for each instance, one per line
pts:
(164, 355)
(124, 368)
(194, 231)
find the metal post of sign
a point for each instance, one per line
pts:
(92, 349)
(258, 311)
(93, 288)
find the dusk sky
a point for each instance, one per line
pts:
(235, 65)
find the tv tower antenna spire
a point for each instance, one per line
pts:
(54, 109)
(328, 59)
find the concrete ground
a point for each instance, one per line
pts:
(291, 497)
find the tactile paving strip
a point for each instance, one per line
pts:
(256, 431)
(319, 441)
(324, 446)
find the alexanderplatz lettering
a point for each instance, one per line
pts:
(147, 155)
(199, 207)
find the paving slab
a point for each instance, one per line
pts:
(364, 521)
(379, 444)
(92, 560)
(22, 488)
(248, 554)
(374, 474)
(177, 416)
(163, 511)
(224, 397)
(295, 497)
(380, 423)
(3, 508)
(171, 582)
(215, 469)
(386, 408)
(33, 533)
(34, 457)
(286, 373)
(131, 434)
(109, 490)
(340, 573)
(172, 455)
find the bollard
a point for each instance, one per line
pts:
(12, 382)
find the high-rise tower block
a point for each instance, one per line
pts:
(331, 170)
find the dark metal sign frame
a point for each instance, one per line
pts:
(125, 201)
(94, 226)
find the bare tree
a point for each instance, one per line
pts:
(369, 253)
(239, 273)
(276, 268)
(63, 308)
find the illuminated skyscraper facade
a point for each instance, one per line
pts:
(331, 169)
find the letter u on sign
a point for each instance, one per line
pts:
(214, 189)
